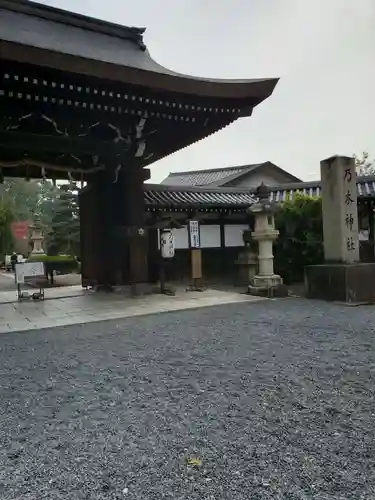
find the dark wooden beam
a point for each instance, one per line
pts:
(222, 243)
(146, 174)
(37, 143)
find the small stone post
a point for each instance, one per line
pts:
(266, 281)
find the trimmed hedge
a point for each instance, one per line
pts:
(61, 264)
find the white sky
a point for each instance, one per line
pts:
(323, 50)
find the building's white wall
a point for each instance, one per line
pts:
(234, 235)
(210, 236)
(181, 237)
(269, 176)
(255, 179)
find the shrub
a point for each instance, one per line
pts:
(300, 242)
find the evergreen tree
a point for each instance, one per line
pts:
(21, 196)
(64, 233)
(6, 219)
(47, 206)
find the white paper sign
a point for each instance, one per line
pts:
(194, 234)
(364, 235)
(167, 244)
(28, 270)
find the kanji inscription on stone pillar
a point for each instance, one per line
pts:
(340, 212)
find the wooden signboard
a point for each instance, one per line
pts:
(195, 252)
(25, 271)
(28, 270)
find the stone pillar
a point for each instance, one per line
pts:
(341, 277)
(340, 212)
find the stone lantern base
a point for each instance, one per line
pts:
(268, 286)
(267, 281)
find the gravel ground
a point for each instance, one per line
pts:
(273, 400)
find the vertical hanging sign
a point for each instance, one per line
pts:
(194, 234)
(196, 252)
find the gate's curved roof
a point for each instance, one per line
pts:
(103, 49)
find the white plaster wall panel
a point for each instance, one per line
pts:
(181, 238)
(234, 235)
(210, 236)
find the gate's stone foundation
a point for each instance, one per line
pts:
(354, 283)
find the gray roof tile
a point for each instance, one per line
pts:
(205, 177)
(184, 197)
(174, 197)
(365, 188)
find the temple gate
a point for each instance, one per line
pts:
(82, 99)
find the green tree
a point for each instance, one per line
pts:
(30, 200)
(47, 206)
(364, 165)
(64, 233)
(22, 197)
(300, 242)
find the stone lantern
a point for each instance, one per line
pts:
(265, 282)
(37, 238)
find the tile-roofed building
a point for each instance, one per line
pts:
(244, 176)
(203, 177)
(182, 198)
(280, 193)
(233, 198)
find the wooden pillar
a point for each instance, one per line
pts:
(370, 208)
(195, 253)
(88, 235)
(122, 242)
(153, 257)
(106, 221)
(371, 234)
(222, 245)
(135, 222)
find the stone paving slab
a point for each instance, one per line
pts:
(89, 307)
